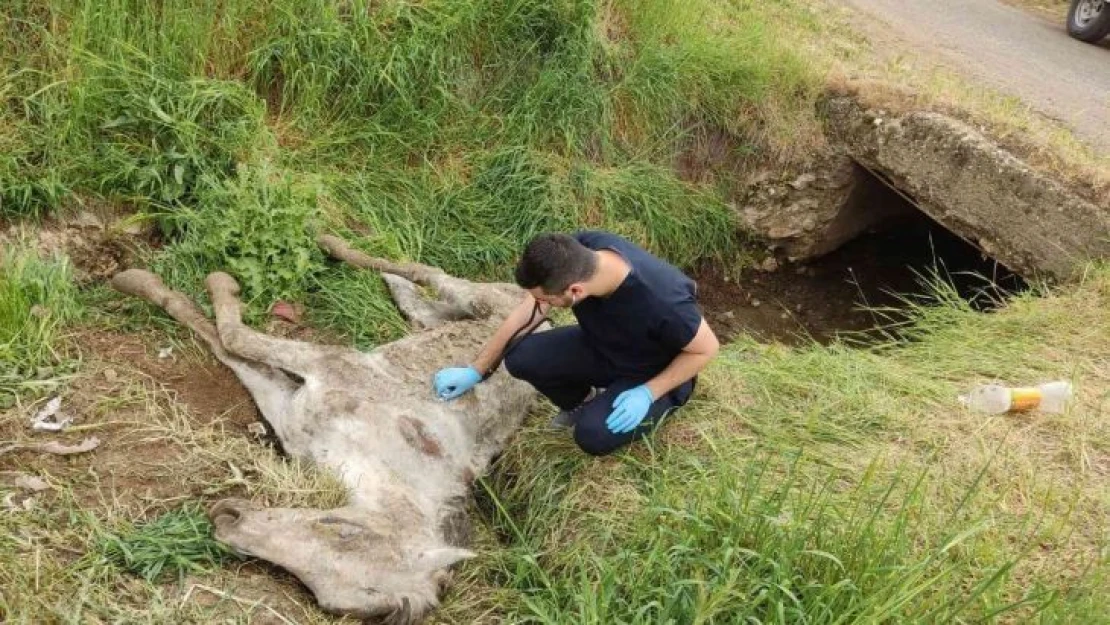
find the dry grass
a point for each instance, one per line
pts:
(891, 74)
(155, 455)
(1056, 10)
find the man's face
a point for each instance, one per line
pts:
(566, 299)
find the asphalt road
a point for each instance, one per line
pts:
(1017, 53)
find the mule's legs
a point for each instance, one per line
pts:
(422, 313)
(270, 388)
(296, 357)
(147, 286)
(456, 298)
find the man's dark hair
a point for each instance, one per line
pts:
(554, 261)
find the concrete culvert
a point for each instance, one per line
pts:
(898, 197)
(891, 260)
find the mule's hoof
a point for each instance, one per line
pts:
(138, 282)
(220, 282)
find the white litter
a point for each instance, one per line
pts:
(31, 483)
(49, 420)
(165, 352)
(54, 447)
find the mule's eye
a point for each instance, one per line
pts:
(344, 528)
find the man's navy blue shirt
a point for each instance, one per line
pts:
(645, 323)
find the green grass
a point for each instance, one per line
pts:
(454, 130)
(175, 544)
(819, 484)
(356, 304)
(827, 484)
(37, 300)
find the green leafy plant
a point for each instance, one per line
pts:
(259, 227)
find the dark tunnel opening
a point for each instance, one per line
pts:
(892, 261)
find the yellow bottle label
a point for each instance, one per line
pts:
(1025, 398)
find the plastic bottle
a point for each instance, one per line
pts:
(997, 398)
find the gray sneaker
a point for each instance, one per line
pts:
(566, 418)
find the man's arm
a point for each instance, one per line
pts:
(496, 344)
(689, 362)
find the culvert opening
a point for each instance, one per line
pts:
(880, 268)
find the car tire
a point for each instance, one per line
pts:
(1085, 26)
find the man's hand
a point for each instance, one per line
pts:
(629, 409)
(454, 381)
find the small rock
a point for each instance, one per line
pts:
(759, 178)
(803, 181)
(878, 121)
(756, 303)
(256, 428)
(285, 310)
(39, 311)
(729, 314)
(132, 230)
(769, 264)
(85, 219)
(31, 483)
(798, 308)
(784, 315)
(110, 375)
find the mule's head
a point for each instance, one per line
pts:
(370, 568)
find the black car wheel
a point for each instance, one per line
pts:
(1089, 20)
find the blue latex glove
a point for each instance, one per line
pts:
(454, 381)
(629, 409)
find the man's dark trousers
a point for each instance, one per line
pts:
(561, 364)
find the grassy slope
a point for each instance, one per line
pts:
(828, 484)
(439, 133)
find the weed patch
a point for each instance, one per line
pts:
(176, 543)
(260, 227)
(37, 300)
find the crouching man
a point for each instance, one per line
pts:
(633, 356)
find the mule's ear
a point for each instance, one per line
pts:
(441, 557)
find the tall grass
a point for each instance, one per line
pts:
(450, 131)
(724, 539)
(37, 299)
(825, 484)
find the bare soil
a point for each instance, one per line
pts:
(110, 400)
(838, 294)
(209, 390)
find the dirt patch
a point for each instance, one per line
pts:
(1054, 10)
(265, 594)
(209, 390)
(835, 294)
(138, 461)
(97, 251)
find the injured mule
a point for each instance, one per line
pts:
(406, 458)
